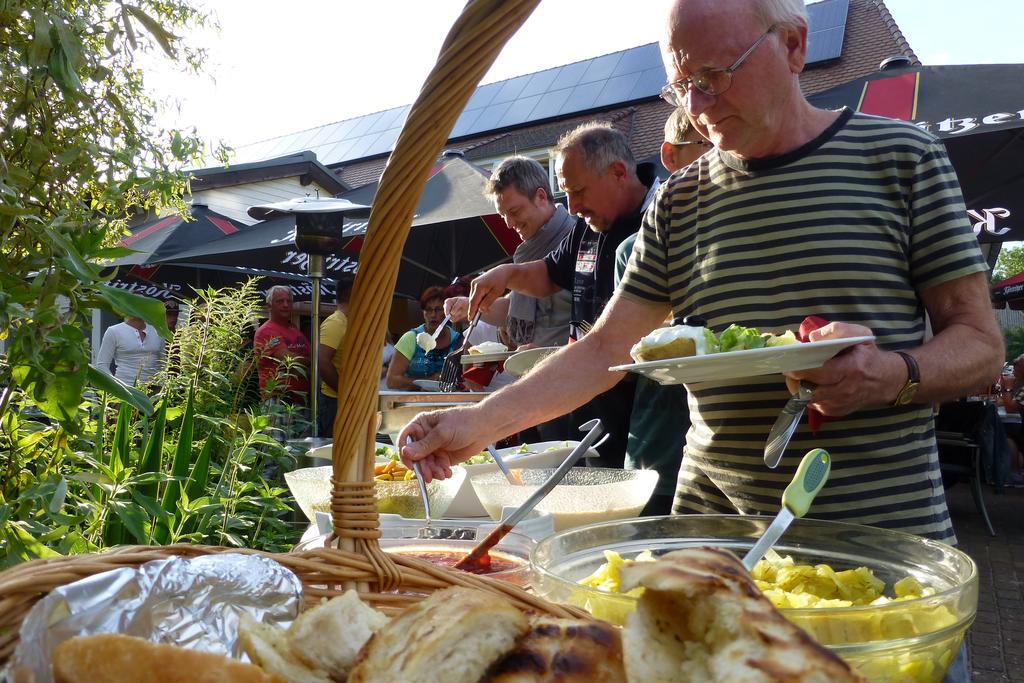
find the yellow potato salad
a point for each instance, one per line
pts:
(793, 587)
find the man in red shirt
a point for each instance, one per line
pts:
(282, 354)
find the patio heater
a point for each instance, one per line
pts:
(318, 233)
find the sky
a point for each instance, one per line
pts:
(281, 67)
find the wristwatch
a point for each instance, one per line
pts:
(909, 390)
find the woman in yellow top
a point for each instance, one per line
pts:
(332, 337)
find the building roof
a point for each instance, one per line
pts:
(302, 163)
(610, 81)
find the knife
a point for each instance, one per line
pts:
(786, 424)
(810, 477)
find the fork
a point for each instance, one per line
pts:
(451, 372)
(582, 325)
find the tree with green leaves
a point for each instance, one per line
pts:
(81, 152)
(1010, 263)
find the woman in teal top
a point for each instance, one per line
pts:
(410, 362)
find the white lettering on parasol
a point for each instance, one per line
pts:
(331, 263)
(985, 220)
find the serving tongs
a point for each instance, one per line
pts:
(451, 371)
(478, 557)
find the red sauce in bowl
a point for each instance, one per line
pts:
(498, 562)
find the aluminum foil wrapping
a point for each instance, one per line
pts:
(192, 603)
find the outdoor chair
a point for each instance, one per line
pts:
(959, 427)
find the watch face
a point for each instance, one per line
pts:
(907, 394)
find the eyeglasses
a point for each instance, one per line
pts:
(710, 81)
(436, 309)
(692, 142)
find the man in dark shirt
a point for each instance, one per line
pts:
(604, 186)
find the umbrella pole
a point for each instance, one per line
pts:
(316, 271)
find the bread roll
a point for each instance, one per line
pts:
(678, 341)
(268, 647)
(115, 658)
(563, 650)
(702, 619)
(452, 636)
(330, 635)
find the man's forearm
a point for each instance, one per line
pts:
(966, 353)
(542, 395)
(957, 362)
(532, 279)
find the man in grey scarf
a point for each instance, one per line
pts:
(521, 195)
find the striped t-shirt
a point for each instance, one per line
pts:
(849, 227)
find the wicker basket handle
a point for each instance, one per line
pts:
(472, 45)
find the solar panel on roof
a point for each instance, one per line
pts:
(827, 25)
(569, 76)
(539, 83)
(604, 81)
(601, 68)
(511, 90)
(519, 111)
(615, 90)
(550, 104)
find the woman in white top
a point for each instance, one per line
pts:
(135, 349)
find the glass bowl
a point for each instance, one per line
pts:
(513, 549)
(586, 495)
(311, 487)
(907, 640)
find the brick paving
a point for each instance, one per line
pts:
(997, 636)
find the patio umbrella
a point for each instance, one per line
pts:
(978, 113)
(161, 237)
(1009, 292)
(455, 229)
(455, 232)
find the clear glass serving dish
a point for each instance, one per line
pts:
(909, 640)
(311, 487)
(586, 495)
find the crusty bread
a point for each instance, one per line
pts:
(563, 650)
(677, 348)
(115, 658)
(702, 618)
(330, 635)
(454, 635)
(268, 647)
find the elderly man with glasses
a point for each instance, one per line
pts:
(797, 211)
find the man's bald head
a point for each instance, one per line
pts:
(746, 56)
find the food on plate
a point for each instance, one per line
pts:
(701, 618)
(563, 650)
(330, 635)
(488, 347)
(485, 458)
(683, 341)
(116, 658)
(426, 341)
(453, 635)
(739, 338)
(677, 341)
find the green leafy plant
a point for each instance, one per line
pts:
(189, 471)
(81, 152)
(1014, 343)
